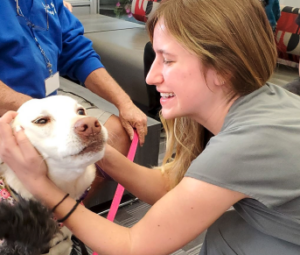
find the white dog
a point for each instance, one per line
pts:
(69, 141)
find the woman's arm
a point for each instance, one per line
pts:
(176, 219)
(147, 184)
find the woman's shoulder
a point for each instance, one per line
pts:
(268, 106)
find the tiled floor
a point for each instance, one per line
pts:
(132, 213)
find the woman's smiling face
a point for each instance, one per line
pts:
(178, 76)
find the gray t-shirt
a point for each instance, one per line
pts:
(257, 152)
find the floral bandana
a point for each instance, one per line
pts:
(5, 193)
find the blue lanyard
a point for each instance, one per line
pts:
(33, 27)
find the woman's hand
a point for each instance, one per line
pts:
(19, 154)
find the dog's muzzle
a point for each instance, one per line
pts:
(89, 132)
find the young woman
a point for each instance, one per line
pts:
(236, 139)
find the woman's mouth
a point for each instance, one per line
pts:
(167, 95)
(166, 98)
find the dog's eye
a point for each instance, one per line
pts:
(42, 121)
(81, 111)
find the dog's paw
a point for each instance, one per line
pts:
(27, 228)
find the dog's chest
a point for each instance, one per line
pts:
(76, 188)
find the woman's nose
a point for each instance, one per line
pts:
(154, 76)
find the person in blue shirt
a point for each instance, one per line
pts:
(42, 37)
(272, 9)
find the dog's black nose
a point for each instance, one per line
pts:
(88, 126)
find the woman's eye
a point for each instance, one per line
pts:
(81, 111)
(42, 121)
(167, 61)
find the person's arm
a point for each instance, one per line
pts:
(147, 184)
(10, 99)
(177, 218)
(79, 61)
(68, 6)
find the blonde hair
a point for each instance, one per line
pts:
(234, 38)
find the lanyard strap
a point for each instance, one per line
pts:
(120, 189)
(46, 59)
(33, 27)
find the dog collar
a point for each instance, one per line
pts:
(83, 196)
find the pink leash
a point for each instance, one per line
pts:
(120, 189)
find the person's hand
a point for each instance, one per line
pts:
(68, 6)
(131, 117)
(19, 154)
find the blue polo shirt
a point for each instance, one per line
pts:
(273, 12)
(22, 65)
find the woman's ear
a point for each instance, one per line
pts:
(219, 81)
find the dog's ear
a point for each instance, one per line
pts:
(12, 126)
